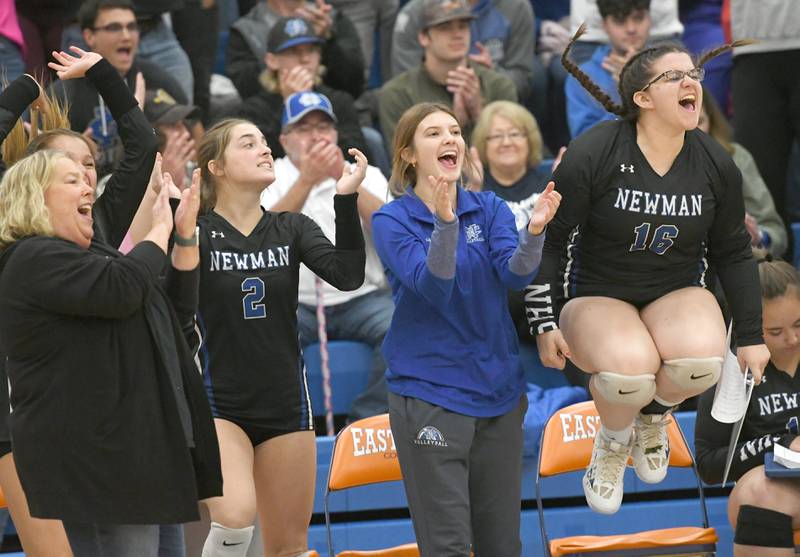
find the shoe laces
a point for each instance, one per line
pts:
(652, 433)
(611, 460)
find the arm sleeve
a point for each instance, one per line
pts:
(730, 253)
(343, 57)
(75, 281)
(514, 254)
(430, 275)
(758, 201)
(573, 180)
(406, 50)
(242, 66)
(711, 439)
(183, 290)
(342, 265)
(14, 99)
(127, 184)
(519, 50)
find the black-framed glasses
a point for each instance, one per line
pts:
(673, 76)
(116, 28)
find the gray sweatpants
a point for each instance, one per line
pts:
(462, 477)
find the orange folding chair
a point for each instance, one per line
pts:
(567, 442)
(797, 542)
(364, 453)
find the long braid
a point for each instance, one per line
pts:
(714, 52)
(586, 82)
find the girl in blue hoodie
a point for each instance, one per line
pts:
(456, 390)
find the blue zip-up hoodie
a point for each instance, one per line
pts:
(583, 110)
(452, 342)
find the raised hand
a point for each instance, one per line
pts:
(162, 214)
(544, 209)
(483, 56)
(186, 214)
(140, 91)
(156, 175)
(178, 151)
(443, 206)
(319, 16)
(321, 161)
(553, 349)
(353, 174)
(295, 80)
(464, 80)
(73, 67)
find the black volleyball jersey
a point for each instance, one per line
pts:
(247, 315)
(771, 417)
(623, 231)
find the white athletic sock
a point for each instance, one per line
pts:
(621, 437)
(227, 542)
(305, 554)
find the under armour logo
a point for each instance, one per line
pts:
(215, 234)
(626, 168)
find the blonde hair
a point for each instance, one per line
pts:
(54, 118)
(404, 174)
(22, 208)
(212, 148)
(517, 115)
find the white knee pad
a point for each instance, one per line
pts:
(227, 542)
(630, 390)
(693, 374)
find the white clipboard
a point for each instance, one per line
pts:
(749, 383)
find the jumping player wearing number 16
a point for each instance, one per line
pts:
(250, 354)
(649, 203)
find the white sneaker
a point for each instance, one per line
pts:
(603, 480)
(651, 447)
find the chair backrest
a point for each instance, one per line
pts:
(364, 453)
(568, 439)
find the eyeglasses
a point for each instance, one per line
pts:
(511, 136)
(320, 127)
(116, 28)
(673, 76)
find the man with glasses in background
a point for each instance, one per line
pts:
(109, 27)
(305, 182)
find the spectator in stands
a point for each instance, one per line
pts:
(293, 65)
(761, 509)
(765, 88)
(193, 24)
(456, 391)
(110, 29)
(627, 26)
(369, 17)
(11, 44)
(502, 38)
(341, 49)
(507, 149)
(171, 122)
(666, 25)
(305, 182)
(446, 74)
(761, 219)
(42, 23)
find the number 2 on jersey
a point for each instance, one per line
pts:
(662, 238)
(253, 289)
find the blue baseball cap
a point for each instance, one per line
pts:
(302, 103)
(290, 31)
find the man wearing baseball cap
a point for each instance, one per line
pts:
(172, 124)
(293, 65)
(341, 48)
(446, 74)
(305, 182)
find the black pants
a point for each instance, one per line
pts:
(766, 107)
(462, 477)
(196, 29)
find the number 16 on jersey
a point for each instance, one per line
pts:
(663, 237)
(253, 289)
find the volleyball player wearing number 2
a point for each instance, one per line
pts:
(648, 203)
(250, 354)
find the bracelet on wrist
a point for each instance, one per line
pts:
(187, 242)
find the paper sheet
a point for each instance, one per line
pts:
(737, 427)
(730, 398)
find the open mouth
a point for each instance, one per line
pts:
(85, 210)
(448, 159)
(125, 50)
(265, 164)
(689, 102)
